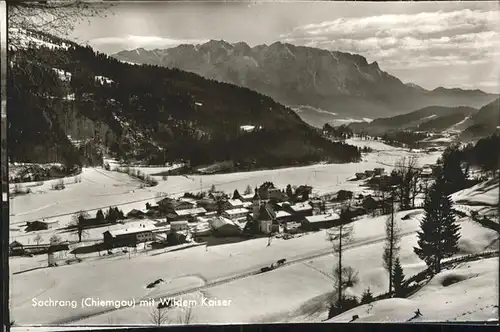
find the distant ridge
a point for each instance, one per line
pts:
(336, 82)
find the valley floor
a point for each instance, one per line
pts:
(298, 291)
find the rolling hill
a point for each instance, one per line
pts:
(432, 119)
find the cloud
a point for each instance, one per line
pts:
(437, 40)
(131, 42)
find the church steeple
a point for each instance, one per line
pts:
(256, 196)
(256, 204)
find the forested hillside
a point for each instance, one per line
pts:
(71, 104)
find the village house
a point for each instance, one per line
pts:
(136, 213)
(299, 210)
(186, 213)
(170, 205)
(236, 214)
(283, 217)
(246, 197)
(178, 226)
(320, 221)
(41, 225)
(217, 195)
(208, 204)
(232, 204)
(129, 235)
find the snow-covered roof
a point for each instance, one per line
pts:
(221, 221)
(187, 212)
(301, 207)
(131, 230)
(236, 211)
(247, 196)
(247, 128)
(162, 229)
(49, 221)
(282, 214)
(323, 217)
(247, 204)
(235, 202)
(180, 222)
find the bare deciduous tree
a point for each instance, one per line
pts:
(186, 316)
(407, 175)
(54, 239)
(38, 239)
(55, 17)
(391, 247)
(78, 220)
(158, 316)
(339, 236)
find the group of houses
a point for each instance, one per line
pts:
(378, 171)
(268, 210)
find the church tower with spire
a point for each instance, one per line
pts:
(256, 204)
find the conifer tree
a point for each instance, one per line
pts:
(367, 296)
(454, 176)
(439, 234)
(398, 278)
(236, 194)
(99, 215)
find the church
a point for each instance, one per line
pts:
(263, 216)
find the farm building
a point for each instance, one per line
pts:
(177, 226)
(235, 214)
(41, 225)
(16, 248)
(129, 235)
(320, 221)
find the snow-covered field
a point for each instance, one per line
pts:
(101, 189)
(295, 292)
(256, 298)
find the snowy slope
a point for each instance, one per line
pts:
(470, 298)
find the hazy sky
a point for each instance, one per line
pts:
(431, 44)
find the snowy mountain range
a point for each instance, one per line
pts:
(335, 84)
